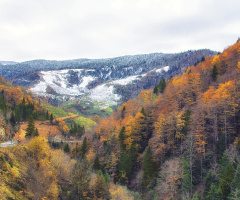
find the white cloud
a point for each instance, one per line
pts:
(60, 29)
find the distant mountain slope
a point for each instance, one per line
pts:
(108, 81)
(126, 63)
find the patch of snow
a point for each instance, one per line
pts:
(163, 69)
(88, 70)
(39, 88)
(109, 73)
(126, 81)
(144, 75)
(86, 81)
(57, 80)
(138, 71)
(105, 94)
(129, 68)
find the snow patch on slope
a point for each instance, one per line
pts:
(163, 69)
(57, 83)
(104, 94)
(57, 80)
(127, 80)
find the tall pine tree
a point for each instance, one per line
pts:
(51, 118)
(149, 168)
(208, 181)
(96, 164)
(214, 193)
(121, 138)
(84, 146)
(214, 73)
(187, 185)
(235, 185)
(30, 131)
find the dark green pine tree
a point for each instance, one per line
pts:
(12, 119)
(143, 111)
(235, 185)
(155, 90)
(96, 164)
(126, 164)
(214, 193)
(203, 59)
(51, 118)
(196, 63)
(162, 85)
(133, 154)
(226, 180)
(121, 138)
(30, 127)
(84, 147)
(17, 115)
(75, 129)
(36, 133)
(66, 148)
(187, 185)
(23, 109)
(125, 167)
(223, 164)
(187, 121)
(208, 180)
(47, 115)
(3, 104)
(149, 168)
(214, 73)
(123, 112)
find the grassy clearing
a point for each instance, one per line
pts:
(57, 112)
(82, 121)
(87, 109)
(87, 123)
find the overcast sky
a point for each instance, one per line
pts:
(69, 29)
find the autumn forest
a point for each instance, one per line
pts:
(179, 140)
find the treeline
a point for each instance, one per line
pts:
(77, 130)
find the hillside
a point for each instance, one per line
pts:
(180, 140)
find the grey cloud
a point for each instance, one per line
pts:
(60, 29)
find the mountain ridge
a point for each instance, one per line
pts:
(45, 65)
(100, 82)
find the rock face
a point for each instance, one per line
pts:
(109, 81)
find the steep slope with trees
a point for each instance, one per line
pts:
(180, 140)
(167, 141)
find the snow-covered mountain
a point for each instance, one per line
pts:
(76, 83)
(107, 81)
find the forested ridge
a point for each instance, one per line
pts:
(179, 140)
